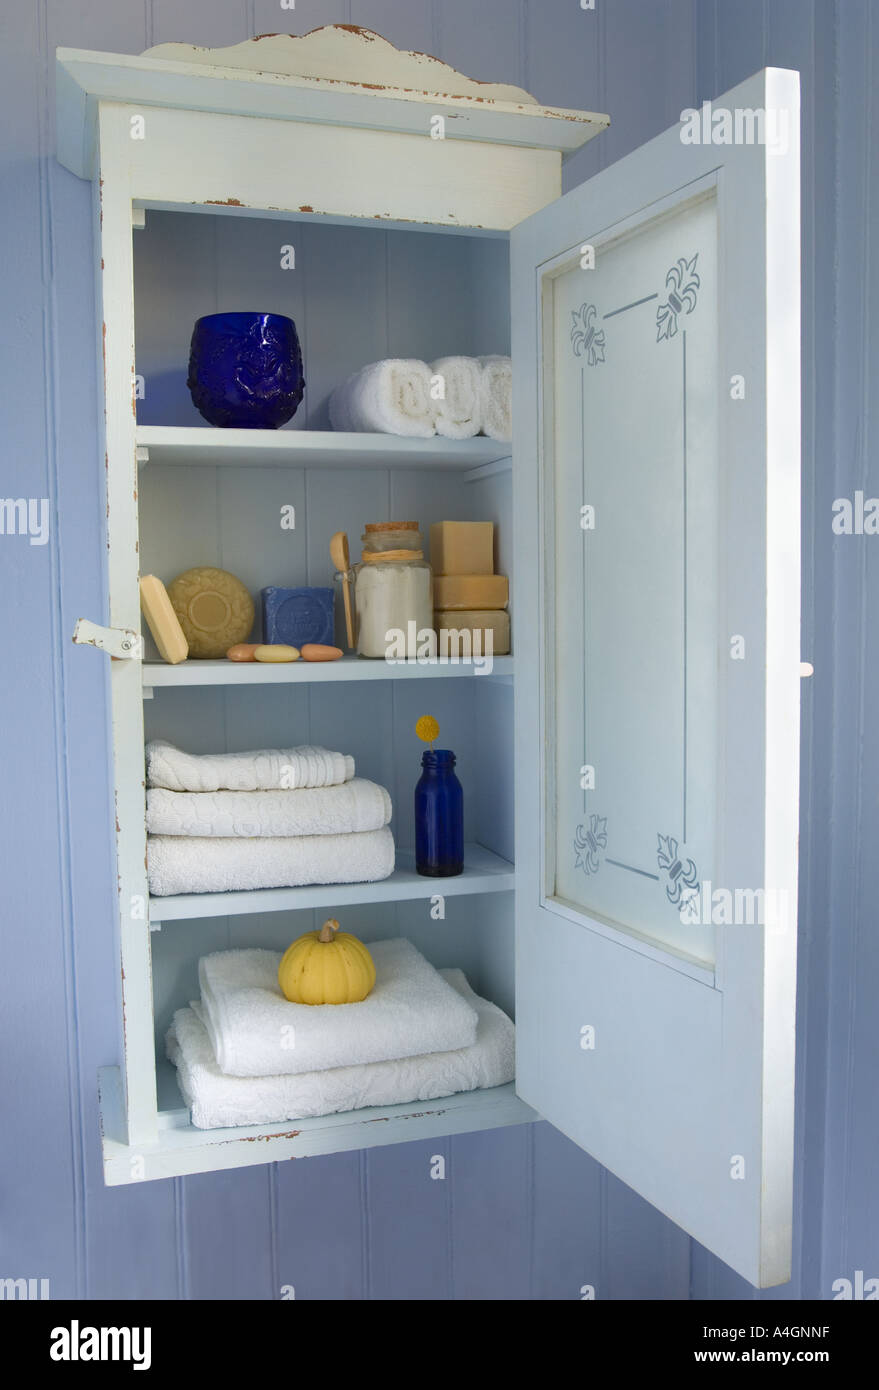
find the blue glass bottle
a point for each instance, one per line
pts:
(439, 816)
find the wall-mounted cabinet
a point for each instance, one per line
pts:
(622, 758)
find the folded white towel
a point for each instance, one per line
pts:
(217, 1101)
(459, 411)
(199, 864)
(263, 770)
(391, 397)
(354, 806)
(255, 1031)
(496, 397)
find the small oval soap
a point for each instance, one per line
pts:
(275, 651)
(318, 651)
(242, 651)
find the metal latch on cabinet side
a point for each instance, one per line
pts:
(118, 642)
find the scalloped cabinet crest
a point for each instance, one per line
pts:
(345, 53)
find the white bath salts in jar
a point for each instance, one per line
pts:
(393, 591)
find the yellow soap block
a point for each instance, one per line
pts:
(470, 591)
(162, 621)
(463, 632)
(462, 547)
(275, 651)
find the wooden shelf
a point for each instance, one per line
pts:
(484, 872)
(348, 668)
(181, 1148)
(207, 447)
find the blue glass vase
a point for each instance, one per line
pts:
(245, 370)
(439, 817)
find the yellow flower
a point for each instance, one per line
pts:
(427, 728)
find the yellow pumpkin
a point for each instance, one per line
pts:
(326, 967)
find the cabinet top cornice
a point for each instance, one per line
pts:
(339, 74)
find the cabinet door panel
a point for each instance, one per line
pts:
(656, 429)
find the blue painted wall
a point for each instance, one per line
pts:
(523, 1214)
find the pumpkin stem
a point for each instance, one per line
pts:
(327, 930)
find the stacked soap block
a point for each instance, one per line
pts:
(467, 594)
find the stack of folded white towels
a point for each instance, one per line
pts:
(246, 1056)
(275, 818)
(402, 395)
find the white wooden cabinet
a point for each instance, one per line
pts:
(649, 520)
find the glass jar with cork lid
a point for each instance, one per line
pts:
(393, 591)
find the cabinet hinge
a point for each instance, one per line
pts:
(119, 642)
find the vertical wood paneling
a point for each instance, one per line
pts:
(646, 1256)
(851, 1215)
(637, 39)
(490, 1181)
(224, 20)
(180, 255)
(563, 67)
(346, 320)
(408, 1222)
(320, 1226)
(741, 42)
(488, 49)
(567, 1219)
(228, 1235)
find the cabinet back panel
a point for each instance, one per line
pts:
(457, 940)
(231, 517)
(375, 722)
(355, 294)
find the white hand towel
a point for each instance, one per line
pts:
(217, 1101)
(496, 397)
(459, 412)
(255, 1031)
(264, 770)
(347, 809)
(199, 864)
(390, 397)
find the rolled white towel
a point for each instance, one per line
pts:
(496, 397)
(266, 769)
(388, 397)
(219, 1102)
(342, 810)
(199, 864)
(255, 1031)
(459, 411)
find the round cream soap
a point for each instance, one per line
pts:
(214, 609)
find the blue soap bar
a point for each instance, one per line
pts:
(296, 616)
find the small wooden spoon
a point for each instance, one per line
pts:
(342, 560)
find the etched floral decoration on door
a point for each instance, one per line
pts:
(682, 284)
(682, 886)
(590, 844)
(587, 340)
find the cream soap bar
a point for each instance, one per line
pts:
(470, 591)
(462, 547)
(452, 624)
(163, 622)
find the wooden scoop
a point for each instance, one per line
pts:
(342, 560)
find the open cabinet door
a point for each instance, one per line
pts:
(656, 344)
